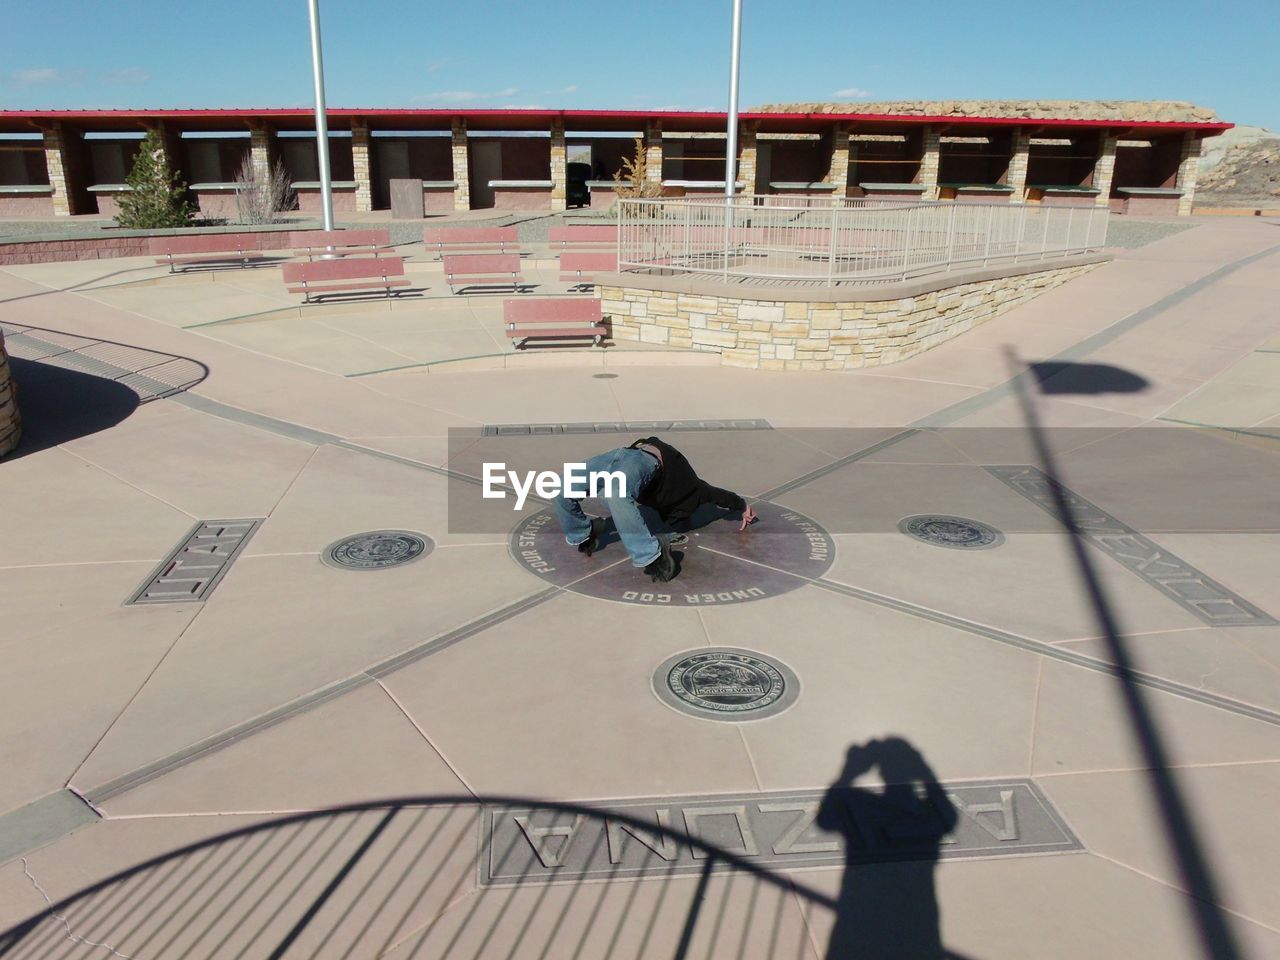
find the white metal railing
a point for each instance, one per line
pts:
(873, 241)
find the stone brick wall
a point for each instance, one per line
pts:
(1017, 176)
(26, 205)
(260, 149)
(10, 421)
(930, 163)
(461, 167)
(838, 170)
(1104, 169)
(559, 166)
(653, 150)
(62, 159)
(362, 168)
(747, 160)
(109, 247)
(1188, 169)
(818, 335)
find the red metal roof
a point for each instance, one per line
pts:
(530, 119)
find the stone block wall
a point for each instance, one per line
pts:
(812, 335)
(1188, 169)
(559, 166)
(10, 421)
(747, 160)
(62, 152)
(1018, 163)
(461, 166)
(361, 165)
(124, 243)
(838, 170)
(653, 150)
(930, 163)
(1104, 169)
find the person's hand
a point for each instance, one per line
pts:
(748, 518)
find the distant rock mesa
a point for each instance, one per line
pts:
(1166, 111)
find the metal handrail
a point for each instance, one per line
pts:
(837, 243)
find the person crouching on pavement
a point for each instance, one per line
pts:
(659, 477)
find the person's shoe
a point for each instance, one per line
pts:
(677, 539)
(592, 543)
(662, 569)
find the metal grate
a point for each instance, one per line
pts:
(151, 374)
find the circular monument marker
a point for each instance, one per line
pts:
(724, 683)
(719, 564)
(377, 550)
(956, 533)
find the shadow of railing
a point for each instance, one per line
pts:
(71, 386)
(424, 877)
(464, 878)
(151, 374)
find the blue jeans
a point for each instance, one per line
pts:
(638, 467)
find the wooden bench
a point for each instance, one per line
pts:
(483, 270)
(580, 269)
(340, 243)
(206, 248)
(471, 239)
(320, 278)
(583, 236)
(553, 317)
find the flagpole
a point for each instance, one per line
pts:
(731, 147)
(322, 121)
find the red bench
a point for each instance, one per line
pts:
(583, 236)
(553, 317)
(580, 268)
(210, 248)
(320, 278)
(483, 270)
(474, 239)
(340, 243)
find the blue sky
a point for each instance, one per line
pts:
(662, 54)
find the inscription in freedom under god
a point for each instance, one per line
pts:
(720, 564)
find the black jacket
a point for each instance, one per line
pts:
(675, 491)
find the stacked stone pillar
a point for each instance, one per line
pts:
(653, 150)
(1104, 169)
(1017, 176)
(10, 422)
(461, 167)
(930, 163)
(838, 171)
(170, 145)
(1188, 169)
(260, 150)
(361, 165)
(747, 166)
(62, 147)
(559, 166)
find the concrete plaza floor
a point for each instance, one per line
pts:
(438, 759)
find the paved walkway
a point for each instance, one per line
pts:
(308, 761)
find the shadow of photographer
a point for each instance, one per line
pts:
(888, 909)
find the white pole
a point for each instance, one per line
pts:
(731, 153)
(731, 148)
(322, 122)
